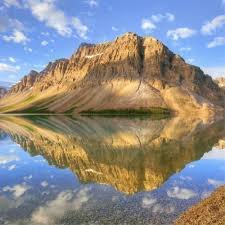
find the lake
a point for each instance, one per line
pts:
(106, 170)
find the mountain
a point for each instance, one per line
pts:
(130, 154)
(129, 74)
(2, 91)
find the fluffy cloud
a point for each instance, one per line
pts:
(11, 59)
(217, 41)
(150, 24)
(6, 24)
(44, 183)
(215, 183)
(181, 193)
(16, 37)
(181, 33)
(159, 17)
(44, 43)
(7, 158)
(190, 60)
(215, 153)
(56, 209)
(92, 3)
(115, 29)
(147, 25)
(12, 167)
(215, 71)
(80, 28)
(17, 190)
(26, 49)
(47, 12)
(148, 202)
(211, 26)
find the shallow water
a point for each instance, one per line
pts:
(96, 170)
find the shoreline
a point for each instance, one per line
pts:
(208, 211)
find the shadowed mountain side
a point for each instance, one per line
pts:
(130, 154)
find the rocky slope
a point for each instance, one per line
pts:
(208, 211)
(129, 73)
(132, 155)
(2, 91)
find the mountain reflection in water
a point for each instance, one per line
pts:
(94, 170)
(132, 155)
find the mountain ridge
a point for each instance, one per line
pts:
(129, 73)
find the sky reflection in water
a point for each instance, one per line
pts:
(58, 170)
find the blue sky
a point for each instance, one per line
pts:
(34, 32)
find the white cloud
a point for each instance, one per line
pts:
(8, 68)
(26, 178)
(17, 190)
(214, 71)
(7, 158)
(217, 41)
(170, 17)
(26, 49)
(11, 59)
(148, 202)
(47, 12)
(44, 183)
(181, 33)
(159, 17)
(6, 24)
(185, 49)
(190, 60)
(44, 43)
(54, 210)
(150, 24)
(215, 183)
(211, 26)
(17, 37)
(147, 25)
(181, 193)
(115, 29)
(217, 154)
(12, 167)
(80, 28)
(92, 3)
(9, 3)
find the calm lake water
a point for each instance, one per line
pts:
(97, 170)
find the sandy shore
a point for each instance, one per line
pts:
(210, 211)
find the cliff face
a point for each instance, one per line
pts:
(131, 72)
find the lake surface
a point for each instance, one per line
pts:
(98, 170)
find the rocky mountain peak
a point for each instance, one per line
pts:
(131, 72)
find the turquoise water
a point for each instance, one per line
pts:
(96, 170)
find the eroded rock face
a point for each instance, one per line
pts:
(130, 72)
(26, 83)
